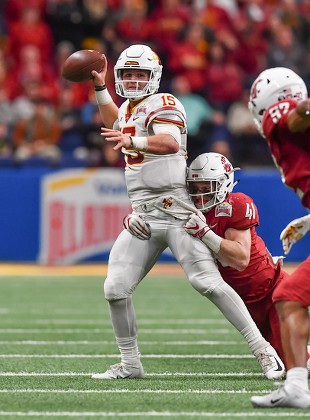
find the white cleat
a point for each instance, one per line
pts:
(120, 371)
(271, 364)
(285, 396)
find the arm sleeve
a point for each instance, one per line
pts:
(171, 129)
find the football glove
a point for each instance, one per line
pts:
(294, 231)
(137, 226)
(197, 227)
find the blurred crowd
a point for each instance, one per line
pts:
(211, 50)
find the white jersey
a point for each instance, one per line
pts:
(148, 175)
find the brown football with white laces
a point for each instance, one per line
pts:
(79, 65)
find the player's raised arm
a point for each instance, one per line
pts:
(108, 109)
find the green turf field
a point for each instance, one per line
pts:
(55, 332)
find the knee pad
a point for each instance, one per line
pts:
(116, 288)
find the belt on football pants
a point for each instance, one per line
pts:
(169, 205)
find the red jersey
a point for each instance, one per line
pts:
(238, 211)
(291, 151)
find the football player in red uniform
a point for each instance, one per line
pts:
(281, 110)
(243, 259)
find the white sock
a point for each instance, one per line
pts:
(256, 342)
(297, 377)
(128, 348)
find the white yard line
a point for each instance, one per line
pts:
(151, 375)
(109, 330)
(84, 414)
(116, 356)
(112, 342)
(141, 322)
(132, 391)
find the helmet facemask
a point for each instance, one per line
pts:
(210, 179)
(151, 86)
(208, 195)
(138, 57)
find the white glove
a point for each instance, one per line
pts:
(137, 226)
(197, 227)
(294, 231)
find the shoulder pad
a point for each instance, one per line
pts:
(244, 211)
(167, 109)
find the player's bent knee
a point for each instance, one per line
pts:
(114, 290)
(205, 283)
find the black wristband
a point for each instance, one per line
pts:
(99, 88)
(131, 142)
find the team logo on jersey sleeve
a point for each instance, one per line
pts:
(223, 209)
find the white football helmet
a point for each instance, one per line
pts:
(271, 86)
(138, 57)
(218, 173)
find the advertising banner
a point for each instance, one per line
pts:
(82, 213)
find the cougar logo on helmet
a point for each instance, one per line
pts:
(226, 164)
(271, 86)
(254, 89)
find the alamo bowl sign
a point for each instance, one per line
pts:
(82, 213)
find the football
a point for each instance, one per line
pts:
(78, 66)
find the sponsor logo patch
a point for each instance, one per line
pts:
(223, 209)
(141, 110)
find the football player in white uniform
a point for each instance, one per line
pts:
(150, 128)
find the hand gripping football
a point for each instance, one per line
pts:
(79, 65)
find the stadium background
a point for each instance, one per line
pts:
(211, 52)
(55, 328)
(24, 206)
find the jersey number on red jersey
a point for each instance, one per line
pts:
(278, 110)
(250, 211)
